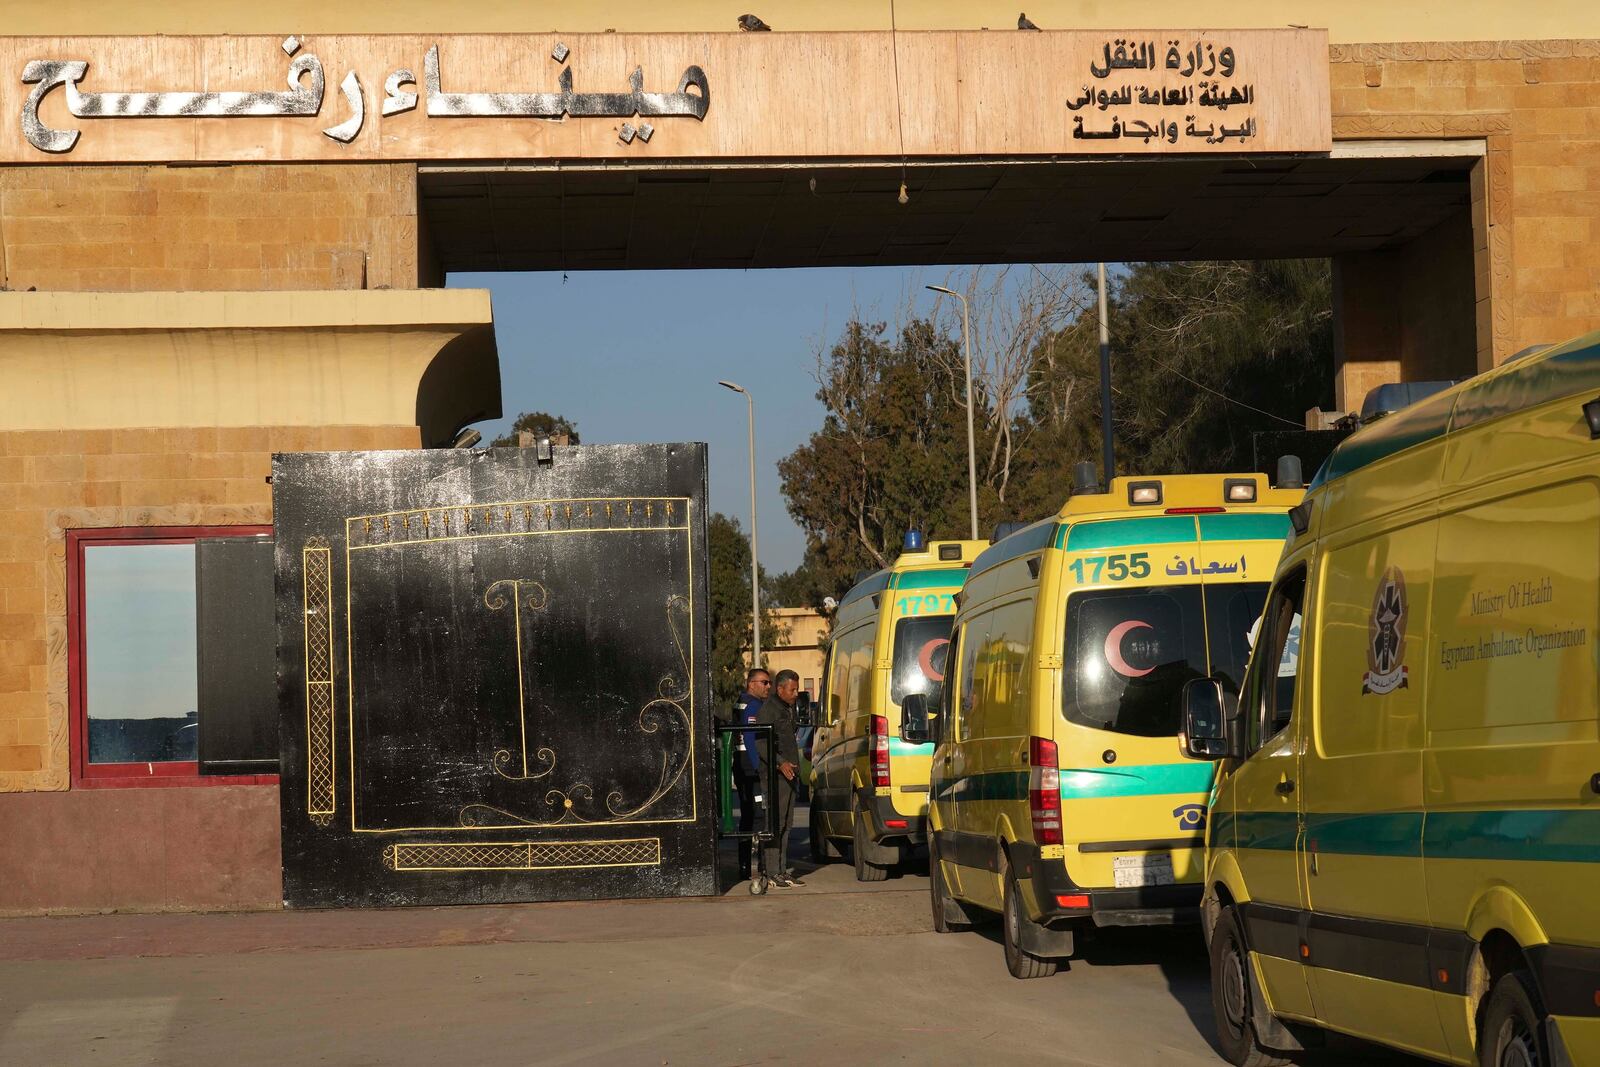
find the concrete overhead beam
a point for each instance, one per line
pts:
(94, 361)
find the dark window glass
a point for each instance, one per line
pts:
(1270, 689)
(920, 645)
(1232, 615)
(1129, 652)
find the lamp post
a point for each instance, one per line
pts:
(755, 566)
(972, 462)
(1107, 455)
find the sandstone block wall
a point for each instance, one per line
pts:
(1535, 198)
(52, 481)
(233, 227)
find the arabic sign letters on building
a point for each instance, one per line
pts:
(1197, 81)
(602, 96)
(307, 82)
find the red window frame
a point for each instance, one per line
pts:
(101, 775)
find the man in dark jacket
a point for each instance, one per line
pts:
(757, 687)
(778, 712)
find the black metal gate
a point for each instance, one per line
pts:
(492, 674)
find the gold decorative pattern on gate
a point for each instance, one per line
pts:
(522, 855)
(666, 708)
(514, 518)
(500, 594)
(317, 590)
(672, 706)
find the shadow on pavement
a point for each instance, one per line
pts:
(1178, 952)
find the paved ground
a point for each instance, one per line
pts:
(795, 977)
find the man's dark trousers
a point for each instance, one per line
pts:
(776, 852)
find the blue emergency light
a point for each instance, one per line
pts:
(914, 541)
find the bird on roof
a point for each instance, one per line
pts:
(1025, 23)
(752, 23)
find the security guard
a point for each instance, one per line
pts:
(778, 712)
(757, 687)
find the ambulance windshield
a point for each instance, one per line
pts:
(919, 649)
(1129, 652)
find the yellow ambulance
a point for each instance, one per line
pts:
(1059, 796)
(1405, 830)
(868, 786)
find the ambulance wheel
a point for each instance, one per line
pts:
(758, 886)
(1513, 1025)
(943, 906)
(1020, 963)
(1233, 994)
(865, 872)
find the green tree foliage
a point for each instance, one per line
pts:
(729, 575)
(805, 586)
(1203, 355)
(540, 424)
(887, 458)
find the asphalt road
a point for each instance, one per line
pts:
(834, 973)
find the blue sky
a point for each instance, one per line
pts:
(636, 355)
(140, 631)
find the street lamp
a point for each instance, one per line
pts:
(1107, 455)
(755, 567)
(972, 463)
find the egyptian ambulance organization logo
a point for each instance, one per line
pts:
(1386, 636)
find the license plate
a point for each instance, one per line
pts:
(1129, 872)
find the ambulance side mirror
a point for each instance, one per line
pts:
(802, 709)
(1208, 711)
(914, 719)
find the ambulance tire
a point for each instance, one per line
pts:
(1513, 1030)
(1233, 993)
(865, 872)
(1018, 962)
(945, 910)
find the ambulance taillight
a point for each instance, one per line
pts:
(880, 752)
(1044, 791)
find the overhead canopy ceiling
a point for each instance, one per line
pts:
(780, 215)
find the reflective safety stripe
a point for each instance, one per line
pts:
(1571, 836)
(943, 579)
(1552, 836)
(1119, 533)
(1244, 527)
(1157, 779)
(898, 747)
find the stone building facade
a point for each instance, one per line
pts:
(177, 312)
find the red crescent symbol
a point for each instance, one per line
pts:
(925, 659)
(1114, 648)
